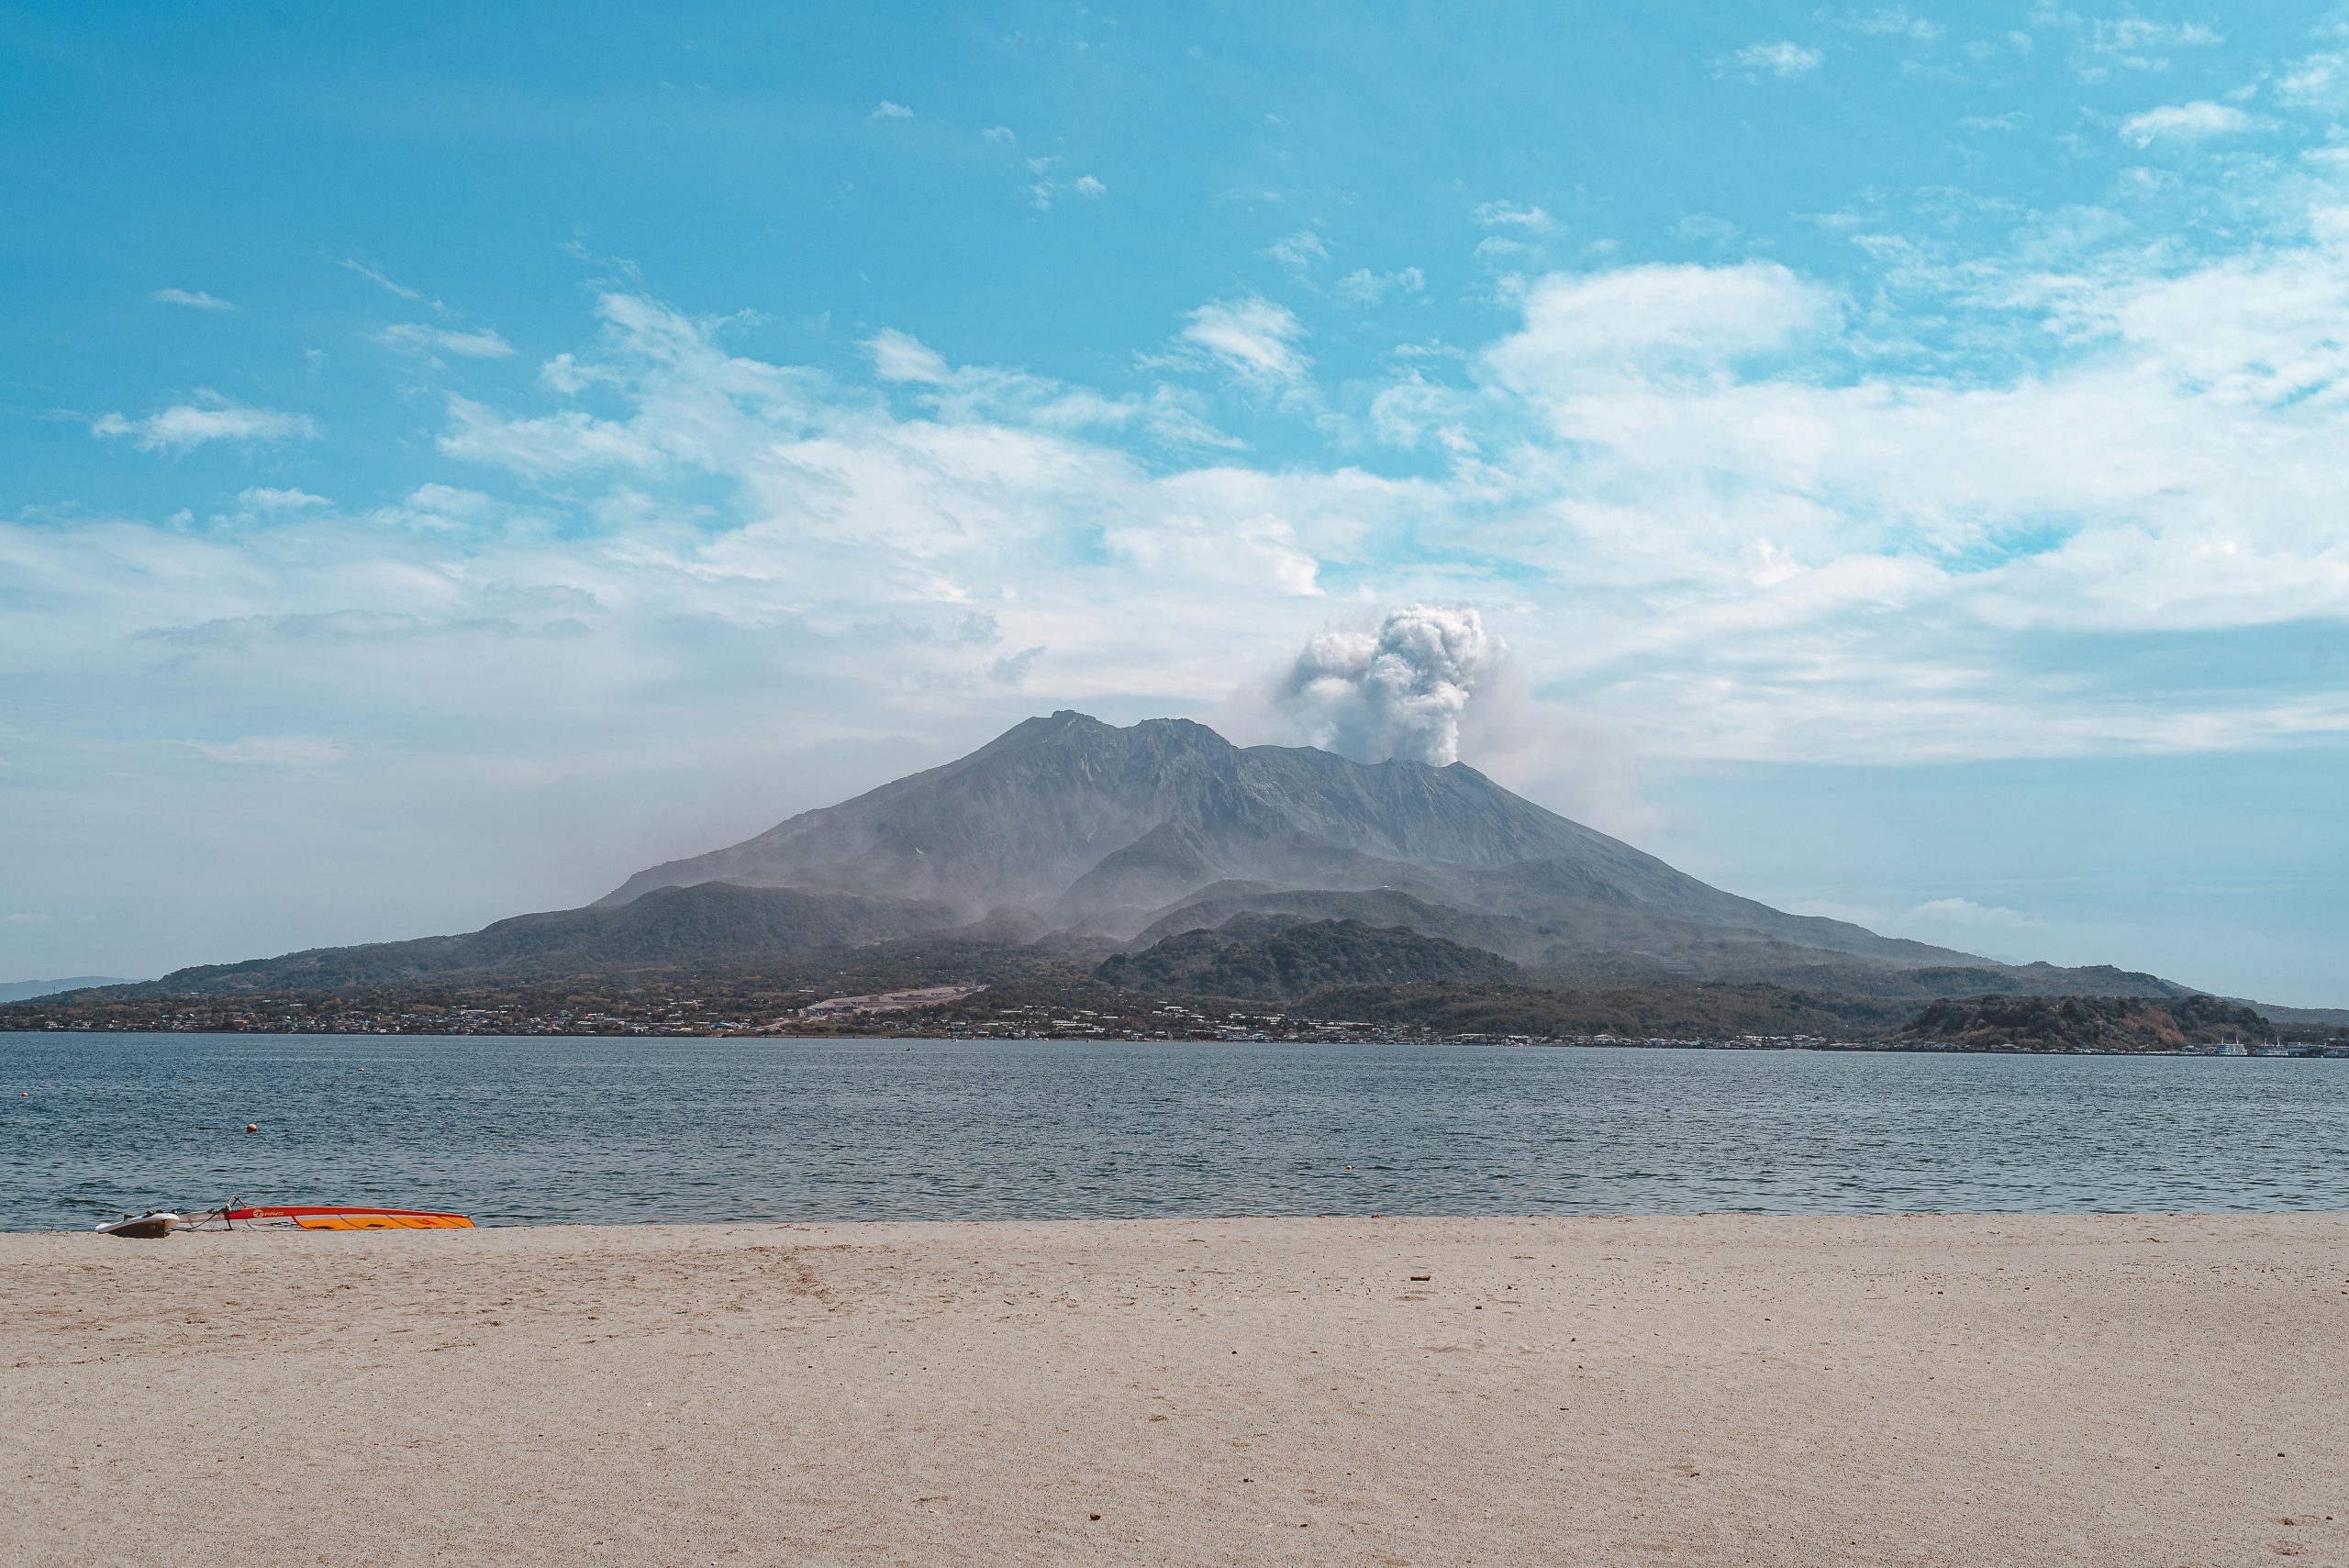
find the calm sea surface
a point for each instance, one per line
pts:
(516, 1130)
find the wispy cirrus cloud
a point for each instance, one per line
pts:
(417, 338)
(270, 498)
(1299, 250)
(380, 278)
(194, 299)
(1363, 286)
(2102, 48)
(2197, 121)
(1509, 215)
(1049, 186)
(1894, 21)
(2315, 80)
(1783, 58)
(1254, 339)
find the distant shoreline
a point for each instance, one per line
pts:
(1851, 1048)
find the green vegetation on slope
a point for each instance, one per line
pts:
(1275, 958)
(2085, 1023)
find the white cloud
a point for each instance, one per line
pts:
(1046, 190)
(2318, 79)
(1655, 318)
(885, 110)
(2180, 458)
(554, 443)
(1896, 21)
(1000, 135)
(898, 357)
(1299, 251)
(2137, 36)
(1363, 286)
(194, 299)
(2104, 45)
(381, 280)
(1504, 255)
(449, 510)
(1783, 58)
(264, 498)
(565, 374)
(211, 417)
(2197, 121)
(415, 338)
(1253, 338)
(1986, 915)
(1506, 215)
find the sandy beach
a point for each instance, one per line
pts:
(2158, 1390)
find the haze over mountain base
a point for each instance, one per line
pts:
(1161, 860)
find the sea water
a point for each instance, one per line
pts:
(516, 1131)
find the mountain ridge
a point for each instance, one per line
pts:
(1128, 819)
(1065, 835)
(25, 990)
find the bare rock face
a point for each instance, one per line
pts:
(672, 927)
(1076, 836)
(1284, 958)
(1107, 828)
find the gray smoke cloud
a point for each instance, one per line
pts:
(1396, 690)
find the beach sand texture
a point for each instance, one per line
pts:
(1590, 1392)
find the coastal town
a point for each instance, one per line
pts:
(933, 1013)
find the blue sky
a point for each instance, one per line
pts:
(1889, 461)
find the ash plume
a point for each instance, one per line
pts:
(1399, 689)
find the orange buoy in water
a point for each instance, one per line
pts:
(252, 1127)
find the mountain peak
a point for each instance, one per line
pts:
(1066, 824)
(1109, 826)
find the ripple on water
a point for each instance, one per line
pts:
(522, 1130)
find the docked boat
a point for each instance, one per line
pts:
(142, 1227)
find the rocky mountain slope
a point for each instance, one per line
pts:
(1067, 837)
(1105, 827)
(712, 925)
(2088, 1023)
(1283, 958)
